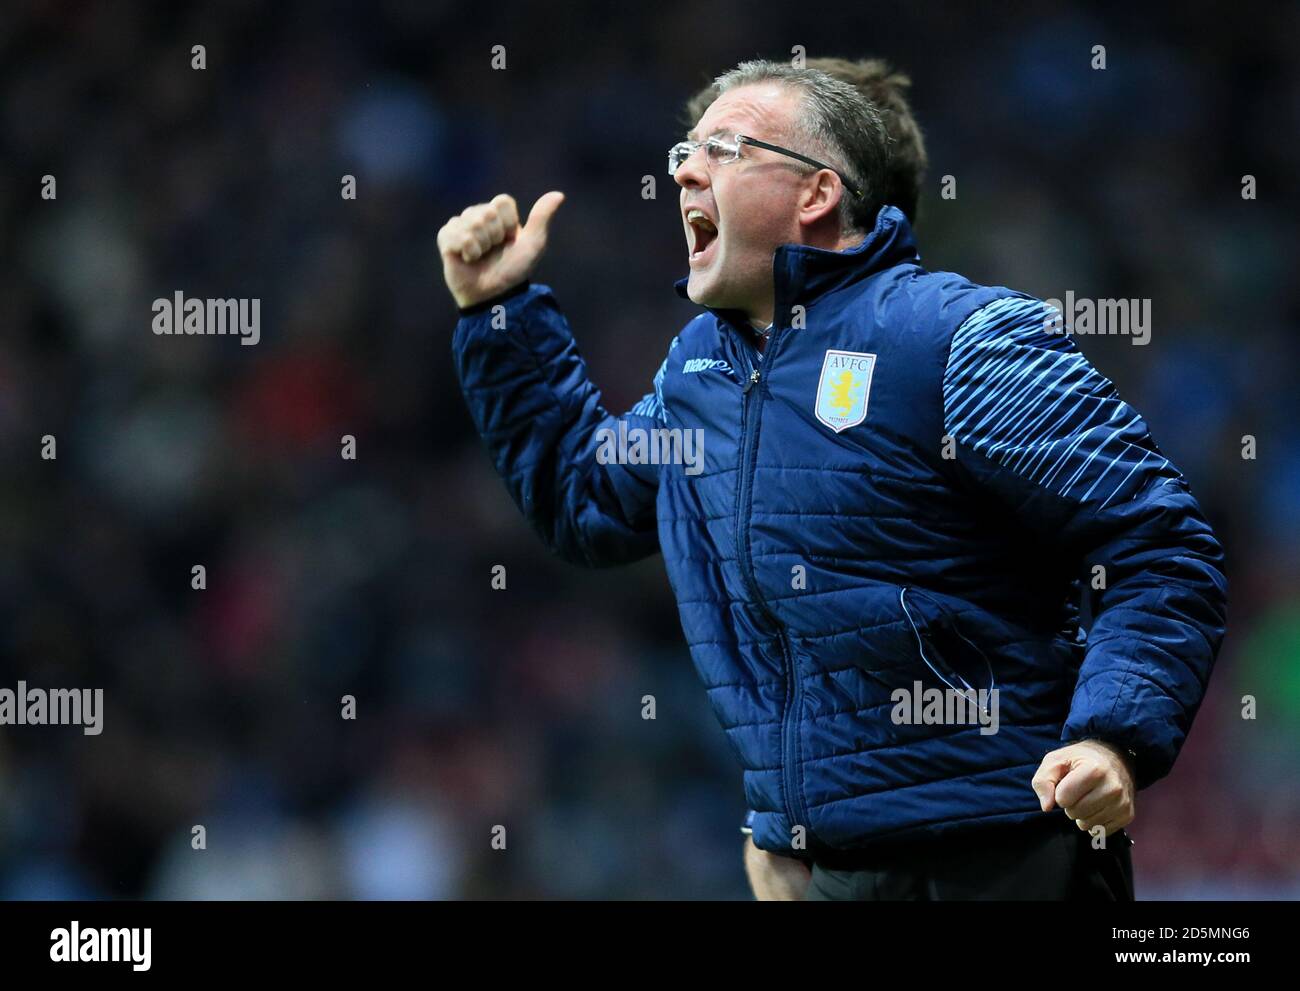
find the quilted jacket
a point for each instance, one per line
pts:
(919, 484)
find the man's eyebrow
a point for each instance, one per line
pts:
(691, 136)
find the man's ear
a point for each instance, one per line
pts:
(821, 198)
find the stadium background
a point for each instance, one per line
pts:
(371, 577)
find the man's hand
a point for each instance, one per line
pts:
(1091, 781)
(774, 878)
(485, 251)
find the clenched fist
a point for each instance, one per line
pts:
(1091, 781)
(485, 251)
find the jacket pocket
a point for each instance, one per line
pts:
(944, 652)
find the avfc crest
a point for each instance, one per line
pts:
(843, 388)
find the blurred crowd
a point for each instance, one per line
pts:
(521, 707)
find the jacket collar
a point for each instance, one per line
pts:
(804, 273)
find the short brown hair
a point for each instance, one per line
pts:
(886, 89)
(837, 123)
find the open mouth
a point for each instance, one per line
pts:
(703, 235)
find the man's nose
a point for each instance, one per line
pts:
(692, 173)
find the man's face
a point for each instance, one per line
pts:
(751, 202)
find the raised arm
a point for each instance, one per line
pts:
(529, 395)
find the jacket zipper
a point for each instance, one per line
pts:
(795, 810)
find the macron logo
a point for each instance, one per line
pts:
(694, 365)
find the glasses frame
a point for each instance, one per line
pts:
(745, 139)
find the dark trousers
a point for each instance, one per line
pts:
(1045, 859)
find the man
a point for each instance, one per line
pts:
(776, 876)
(905, 478)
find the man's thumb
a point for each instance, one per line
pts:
(1049, 774)
(539, 217)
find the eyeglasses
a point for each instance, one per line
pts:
(719, 151)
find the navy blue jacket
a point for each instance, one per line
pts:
(916, 486)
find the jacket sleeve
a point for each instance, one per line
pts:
(1047, 435)
(542, 420)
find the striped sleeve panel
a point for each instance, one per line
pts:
(1026, 398)
(652, 403)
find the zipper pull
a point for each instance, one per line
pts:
(753, 381)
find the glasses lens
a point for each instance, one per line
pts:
(719, 152)
(716, 150)
(678, 154)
